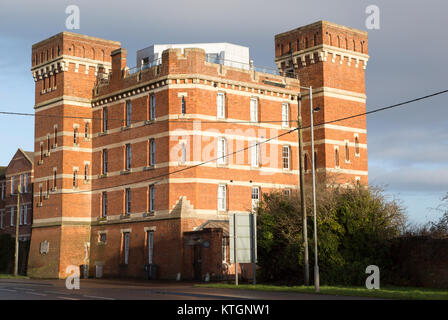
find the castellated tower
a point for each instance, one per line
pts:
(332, 59)
(65, 69)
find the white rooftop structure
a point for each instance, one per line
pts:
(222, 53)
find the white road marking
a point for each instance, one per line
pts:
(37, 294)
(10, 290)
(57, 292)
(68, 298)
(97, 297)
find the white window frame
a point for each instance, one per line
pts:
(221, 151)
(152, 152)
(286, 147)
(254, 201)
(222, 197)
(105, 161)
(337, 164)
(150, 241)
(285, 114)
(12, 223)
(104, 204)
(183, 159)
(3, 190)
(127, 201)
(152, 107)
(128, 112)
(126, 245)
(152, 198)
(12, 184)
(128, 151)
(347, 148)
(255, 155)
(357, 148)
(221, 105)
(2, 217)
(254, 109)
(105, 119)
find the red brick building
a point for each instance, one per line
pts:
(18, 173)
(120, 178)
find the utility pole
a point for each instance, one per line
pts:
(16, 254)
(302, 189)
(316, 266)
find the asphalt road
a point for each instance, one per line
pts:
(94, 289)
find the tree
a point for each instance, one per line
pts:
(354, 226)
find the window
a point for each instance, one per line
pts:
(222, 197)
(104, 161)
(347, 153)
(305, 160)
(20, 215)
(12, 184)
(128, 201)
(126, 237)
(12, 217)
(183, 108)
(48, 143)
(315, 159)
(86, 131)
(255, 197)
(255, 150)
(152, 152)
(254, 110)
(128, 156)
(3, 190)
(104, 204)
(224, 249)
(25, 214)
(152, 198)
(128, 113)
(2, 214)
(287, 192)
(150, 244)
(25, 182)
(184, 153)
(102, 238)
(221, 151)
(41, 151)
(75, 180)
(75, 135)
(55, 136)
(285, 115)
(54, 179)
(152, 107)
(48, 187)
(336, 157)
(286, 157)
(22, 182)
(41, 196)
(105, 123)
(356, 146)
(86, 172)
(221, 106)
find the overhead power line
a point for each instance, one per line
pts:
(270, 139)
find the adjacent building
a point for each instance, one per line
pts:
(16, 180)
(142, 166)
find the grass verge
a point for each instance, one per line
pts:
(11, 276)
(401, 293)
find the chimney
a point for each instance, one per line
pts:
(118, 61)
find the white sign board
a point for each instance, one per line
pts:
(244, 226)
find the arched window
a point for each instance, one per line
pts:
(298, 45)
(362, 47)
(315, 40)
(356, 145)
(354, 45)
(346, 43)
(339, 42)
(330, 40)
(306, 42)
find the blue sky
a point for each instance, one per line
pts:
(407, 147)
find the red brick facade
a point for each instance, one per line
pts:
(113, 144)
